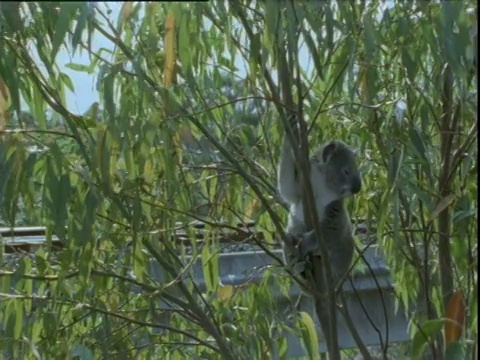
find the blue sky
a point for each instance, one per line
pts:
(84, 84)
(85, 92)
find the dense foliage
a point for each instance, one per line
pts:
(188, 128)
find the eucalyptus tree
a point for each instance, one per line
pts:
(397, 82)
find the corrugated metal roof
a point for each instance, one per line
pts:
(25, 238)
(30, 238)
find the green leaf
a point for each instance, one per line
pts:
(370, 37)
(253, 64)
(294, 18)
(80, 67)
(81, 25)
(184, 42)
(67, 11)
(19, 323)
(422, 153)
(140, 262)
(108, 95)
(455, 351)
(10, 11)
(103, 158)
(272, 18)
(10, 314)
(33, 348)
(309, 335)
(210, 268)
(50, 325)
(19, 273)
(40, 261)
(67, 81)
(450, 13)
(410, 64)
(425, 335)
(11, 79)
(14, 315)
(395, 163)
(313, 53)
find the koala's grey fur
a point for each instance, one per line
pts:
(334, 176)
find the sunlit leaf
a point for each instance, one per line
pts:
(225, 292)
(178, 146)
(309, 335)
(170, 50)
(423, 336)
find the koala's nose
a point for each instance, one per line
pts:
(356, 185)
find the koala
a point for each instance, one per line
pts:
(336, 230)
(334, 176)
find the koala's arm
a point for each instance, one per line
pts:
(288, 182)
(309, 244)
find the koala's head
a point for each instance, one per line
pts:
(337, 162)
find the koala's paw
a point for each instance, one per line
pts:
(309, 244)
(299, 267)
(293, 245)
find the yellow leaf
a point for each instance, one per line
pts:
(225, 292)
(4, 103)
(148, 171)
(455, 316)
(126, 11)
(178, 147)
(362, 82)
(442, 205)
(251, 207)
(170, 50)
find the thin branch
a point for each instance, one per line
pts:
(36, 131)
(86, 306)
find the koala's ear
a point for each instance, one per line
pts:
(328, 151)
(355, 152)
